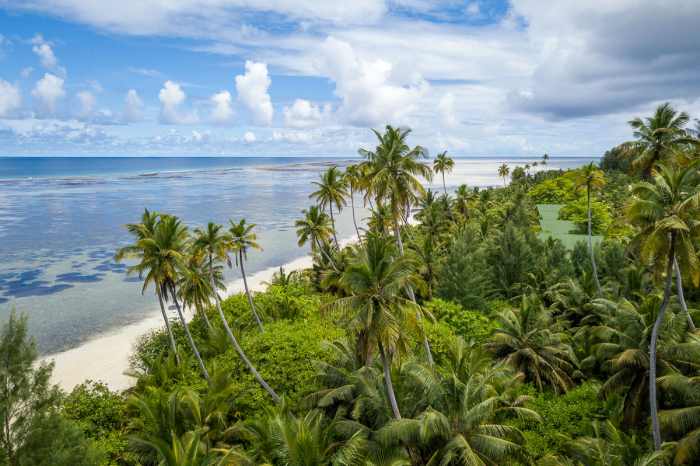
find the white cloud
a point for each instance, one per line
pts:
(303, 115)
(135, 107)
(145, 72)
(96, 86)
(26, 72)
(366, 88)
(252, 93)
(222, 113)
(48, 59)
(88, 103)
(47, 91)
(10, 99)
(250, 137)
(172, 96)
(444, 111)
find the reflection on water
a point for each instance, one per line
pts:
(58, 235)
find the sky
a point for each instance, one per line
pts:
(516, 78)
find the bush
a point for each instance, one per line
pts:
(282, 356)
(569, 414)
(470, 324)
(577, 211)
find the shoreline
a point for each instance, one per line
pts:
(106, 357)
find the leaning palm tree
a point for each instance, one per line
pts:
(139, 231)
(353, 180)
(164, 258)
(316, 228)
(593, 179)
(331, 191)
(376, 276)
(443, 164)
(392, 171)
(196, 287)
(666, 212)
(242, 238)
(504, 171)
(213, 243)
(660, 137)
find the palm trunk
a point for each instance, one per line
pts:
(652, 350)
(444, 186)
(590, 246)
(337, 245)
(189, 337)
(167, 326)
(206, 318)
(426, 345)
(352, 203)
(387, 376)
(247, 292)
(326, 256)
(681, 298)
(260, 380)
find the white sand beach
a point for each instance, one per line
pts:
(105, 358)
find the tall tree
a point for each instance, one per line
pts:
(138, 231)
(659, 137)
(353, 180)
(376, 276)
(593, 179)
(316, 228)
(504, 171)
(331, 191)
(243, 238)
(392, 171)
(213, 243)
(164, 260)
(444, 164)
(666, 212)
(545, 159)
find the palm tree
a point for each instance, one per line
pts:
(443, 164)
(592, 178)
(316, 228)
(392, 172)
(527, 168)
(503, 171)
(376, 276)
(660, 137)
(545, 158)
(681, 298)
(666, 211)
(525, 339)
(196, 287)
(213, 243)
(353, 180)
(164, 259)
(241, 240)
(534, 166)
(139, 231)
(331, 191)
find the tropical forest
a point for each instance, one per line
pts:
(548, 320)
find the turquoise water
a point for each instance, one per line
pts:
(60, 224)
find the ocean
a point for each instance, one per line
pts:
(61, 222)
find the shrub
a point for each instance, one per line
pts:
(282, 356)
(569, 414)
(470, 324)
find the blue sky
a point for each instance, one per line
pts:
(303, 77)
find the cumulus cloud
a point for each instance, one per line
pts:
(88, 103)
(445, 113)
(26, 72)
(249, 137)
(593, 57)
(252, 93)
(10, 99)
(303, 115)
(369, 95)
(135, 107)
(47, 91)
(222, 113)
(172, 97)
(48, 60)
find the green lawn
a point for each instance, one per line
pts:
(559, 229)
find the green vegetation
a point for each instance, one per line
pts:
(485, 341)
